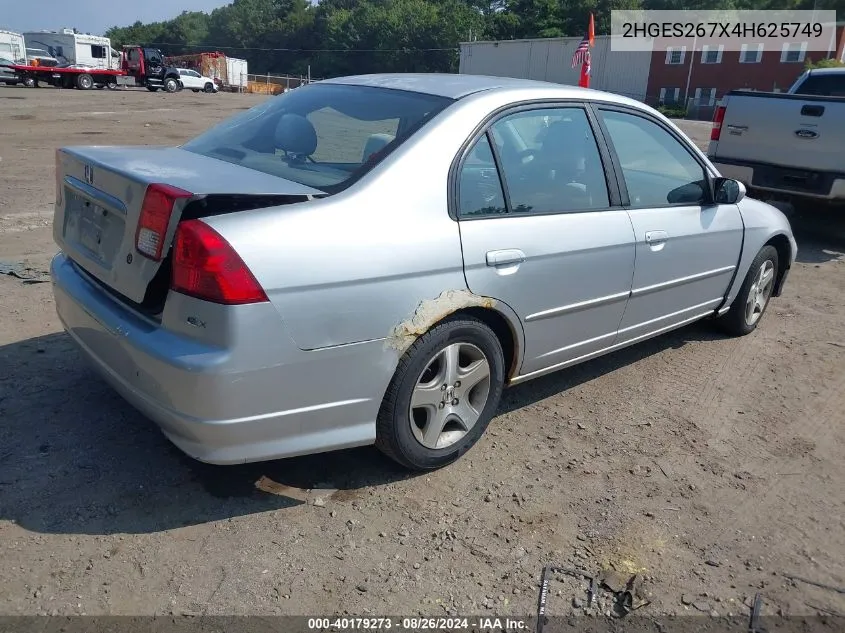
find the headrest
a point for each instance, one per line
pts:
(563, 133)
(376, 143)
(295, 134)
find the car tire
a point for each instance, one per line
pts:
(750, 304)
(209, 88)
(30, 82)
(436, 433)
(84, 81)
(171, 85)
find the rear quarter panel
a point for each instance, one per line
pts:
(354, 266)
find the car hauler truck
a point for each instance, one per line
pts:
(139, 66)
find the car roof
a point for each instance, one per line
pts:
(457, 86)
(827, 71)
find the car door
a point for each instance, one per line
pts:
(687, 246)
(188, 79)
(542, 232)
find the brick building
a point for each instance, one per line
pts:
(701, 78)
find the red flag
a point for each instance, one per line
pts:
(582, 54)
(584, 79)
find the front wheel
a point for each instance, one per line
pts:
(209, 88)
(30, 82)
(753, 298)
(443, 395)
(171, 85)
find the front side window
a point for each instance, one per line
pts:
(321, 135)
(550, 161)
(658, 170)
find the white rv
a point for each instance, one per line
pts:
(12, 51)
(75, 48)
(12, 47)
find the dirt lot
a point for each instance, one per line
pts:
(709, 466)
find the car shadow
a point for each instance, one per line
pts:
(561, 381)
(75, 458)
(820, 237)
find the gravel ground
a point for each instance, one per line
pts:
(708, 466)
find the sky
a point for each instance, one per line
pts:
(93, 16)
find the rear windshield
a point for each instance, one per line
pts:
(824, 85)
(324, 136)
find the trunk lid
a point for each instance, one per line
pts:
(100, 192)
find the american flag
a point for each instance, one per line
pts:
(582, 53)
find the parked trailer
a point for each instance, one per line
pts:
(237, 72)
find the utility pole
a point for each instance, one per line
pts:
(689, 74)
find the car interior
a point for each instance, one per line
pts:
(558, 170)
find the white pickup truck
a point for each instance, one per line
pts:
(785, 146)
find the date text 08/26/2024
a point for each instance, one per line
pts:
(416, 623)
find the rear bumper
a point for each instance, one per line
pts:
(822, 186)
(226, 406)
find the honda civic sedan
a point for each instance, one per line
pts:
(373, 259)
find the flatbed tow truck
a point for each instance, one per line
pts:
(139, 66)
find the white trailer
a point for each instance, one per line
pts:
(12, 47)
(75, 48)
(550, 59)
(236, 72)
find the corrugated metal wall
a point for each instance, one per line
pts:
(624, 73)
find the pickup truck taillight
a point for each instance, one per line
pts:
(718, 117)
(206, 266)
(155, 218)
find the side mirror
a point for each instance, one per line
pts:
(728, 191)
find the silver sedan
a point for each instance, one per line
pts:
(373, 259)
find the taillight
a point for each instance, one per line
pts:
(155, 217)
(718, 117)
(206, 266)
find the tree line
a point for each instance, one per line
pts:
(338, 37)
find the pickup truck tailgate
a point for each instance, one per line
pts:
(785, 130)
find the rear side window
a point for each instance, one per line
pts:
(480, 190)
(550, 161)
(323, 135)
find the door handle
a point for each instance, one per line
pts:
(506, 257)
(656, 237)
